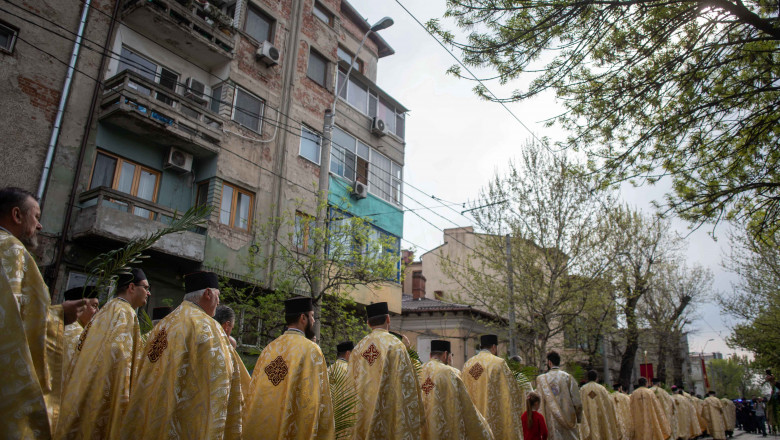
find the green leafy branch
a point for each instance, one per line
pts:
(344, 401)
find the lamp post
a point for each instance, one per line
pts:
(327, 134)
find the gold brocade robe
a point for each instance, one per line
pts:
(71, 338)
(289, 396)
(648, 416)
(187, 386)
(246, 379)
(669, 409)
(561, 404)
(340, 364)
(697, 406)
(31, 346)
(623, 415)
(599, 411)
(102, 375)
(712, 411)
(389, 404)
(496, 394)
(687, 422)
(450, 413)
(729, 414)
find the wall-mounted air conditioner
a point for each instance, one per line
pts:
(179, 160)
(268, 54)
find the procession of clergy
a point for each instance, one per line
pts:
(73, 371)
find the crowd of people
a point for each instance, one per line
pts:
(76, 371)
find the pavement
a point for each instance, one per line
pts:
(742, 435)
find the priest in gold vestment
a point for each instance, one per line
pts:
(697, 406)
(449, 410)
(188, 385)
(667, 403)
(389, 404)
(561, 404)
(622, 412)
(226, 318)
(648, 415)
(289, 397)
(730, 415)
(598, 409)
(32, 343)
(107, 356)
(712, 411)
(343, 351)
(73, 331)
(494, 390)
(687, 422)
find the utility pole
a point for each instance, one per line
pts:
(511, 286)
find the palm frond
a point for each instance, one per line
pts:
(344, 398)
(415, 357)
(145, 321)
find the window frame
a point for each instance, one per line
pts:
(319, 144)
(259, 117)
(135, 182)
(325, 69)
(14, 31)
(158, 75)
(233, 206)
(371, 93)
(261, 13)
(328, 15)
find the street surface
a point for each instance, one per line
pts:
(741, 435)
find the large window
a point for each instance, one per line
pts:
(317, 69)
(236, 207)
(356, 161)
(367, 102)
(310, 145)
(259, 25)
(346, 238)
(322, 13)
(167, 78)
(347, 58)
(248, 110)
(126, 176)
(8, 35)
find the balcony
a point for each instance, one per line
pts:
(144, 107)
(114, 215)
(199, 33)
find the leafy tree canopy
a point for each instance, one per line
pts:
(685, 89)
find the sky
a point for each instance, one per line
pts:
(455, 142)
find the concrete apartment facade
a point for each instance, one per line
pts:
(218, 103)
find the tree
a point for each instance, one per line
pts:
(755, 300)
(596, 321)
(555, 220)
(667, 308)
(734, 378)
(681, 89)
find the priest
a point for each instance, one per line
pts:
(226, 318)
(343, 351)
(389, 404)
(712, 412)
(32, 344)
(289, 395)
(106, 361)
(598, 410)
(697, 407)
(623, 412)
(73, 331)
(667, 404)
(449, 411)
(730, 416)
(494, 390)
(687, 422)
(561, 404)
(649, 418)
(187, 385)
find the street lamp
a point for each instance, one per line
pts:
(327, 134)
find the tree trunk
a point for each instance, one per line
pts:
(632, 343)
(677, 361)
(661, 356)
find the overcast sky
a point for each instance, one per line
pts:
(456, 142)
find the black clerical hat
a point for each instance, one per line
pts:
(439, 345)
(377, 309)
(301, 304)
(345, 346)
(80, 292)
(200, 280)
(488, 340)
(134, 276)
(161, 312)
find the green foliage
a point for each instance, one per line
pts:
(344, 399)
(415, 357)
(145, 322)
(103, 270)
(524, 374)
(576, 371)
(734, 378)
(685, 90)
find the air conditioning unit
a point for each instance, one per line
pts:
(378, 127)
(179, 160)
(268, 54)
(195, 90)
(359, 190)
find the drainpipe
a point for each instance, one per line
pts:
(83, 148)
(55, 132)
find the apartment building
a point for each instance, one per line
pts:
(217, 103)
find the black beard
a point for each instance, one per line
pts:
(309, 330)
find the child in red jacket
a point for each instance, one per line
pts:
(534, 426)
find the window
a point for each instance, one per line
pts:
(202, 199)
(126, 176)
(353, 92)
(379, 180)
(167, 78)
(303, 240)
(248, 110)
(216, 98)
(347, 58)
(8, 35)
(259, 25)
(317, 69)
(236, 207)
(310, 145)
(322, 13)
(367, 101)
(355, 160)
(343, 157)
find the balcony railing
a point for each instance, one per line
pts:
(203, 23)
(178, 114)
